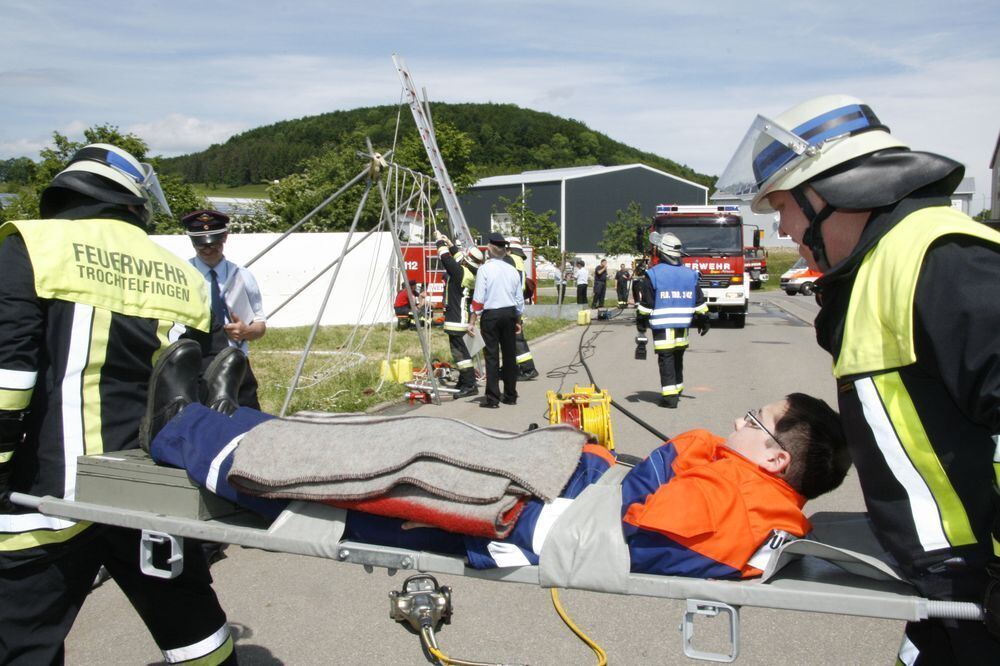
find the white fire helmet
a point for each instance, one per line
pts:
(800, 144)
(474, 257)
(670, 247)
(137, 181)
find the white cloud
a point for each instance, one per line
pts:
(176, 133)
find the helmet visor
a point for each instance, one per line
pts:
(770, 150)
(151, 184)
(766, 149)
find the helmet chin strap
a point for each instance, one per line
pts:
(813, 237)
(668, 260)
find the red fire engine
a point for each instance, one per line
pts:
(712, 237)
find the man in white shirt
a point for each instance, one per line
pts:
(237, 308)
(581, 275)
(498, 301)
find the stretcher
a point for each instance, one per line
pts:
(802, 575)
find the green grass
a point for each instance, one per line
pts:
(255, 191)
(779, 260)
(345, 375)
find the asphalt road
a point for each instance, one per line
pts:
(297, 610)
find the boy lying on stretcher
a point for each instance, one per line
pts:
(700, 505)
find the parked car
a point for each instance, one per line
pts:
(799, 279)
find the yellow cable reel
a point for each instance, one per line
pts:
(585, 408)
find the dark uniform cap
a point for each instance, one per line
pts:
(205, 227)
(498, 240)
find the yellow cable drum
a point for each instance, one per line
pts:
(585, 408)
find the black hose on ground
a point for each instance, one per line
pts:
(659, 435)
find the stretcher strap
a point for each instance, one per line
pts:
(318, 526)
(586, 547)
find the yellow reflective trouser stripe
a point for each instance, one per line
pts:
(455, 326)
(6, 456)
(524, 358)
(466, 363)
(673, 389)
(22, 540)
(15, 399)
(913, 438)
(996, 546)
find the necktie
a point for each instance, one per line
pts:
(218, 309)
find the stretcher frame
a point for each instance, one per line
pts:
(304, 528)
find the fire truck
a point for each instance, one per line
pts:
(713, 244)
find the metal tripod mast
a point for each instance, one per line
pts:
(421, 116)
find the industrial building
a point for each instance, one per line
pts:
(585, 199)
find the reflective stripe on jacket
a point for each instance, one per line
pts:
(924, 464)
(85, 329)
(675, 290)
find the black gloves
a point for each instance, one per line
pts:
(703, 323)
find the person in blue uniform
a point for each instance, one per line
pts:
(670, 300)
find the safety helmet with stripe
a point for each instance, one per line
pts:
(473, 257)
(800, 144)
(110, 174)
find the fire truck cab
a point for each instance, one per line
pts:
(712, 237)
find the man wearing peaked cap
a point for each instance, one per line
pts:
(237, 307)
(206, 227)
(499, 302)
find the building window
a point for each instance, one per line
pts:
(501, 223)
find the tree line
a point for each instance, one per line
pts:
(505, 139)
(305, 160)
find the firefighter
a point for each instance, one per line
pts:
(461, 268)
(669, 301)
(525, 361)
(909, 315)
(638, 272)
(622, 278)
(87, 304)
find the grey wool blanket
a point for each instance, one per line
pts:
(439, 471)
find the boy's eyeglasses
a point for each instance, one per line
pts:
(753, 421)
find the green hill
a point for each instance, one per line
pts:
(507, 138)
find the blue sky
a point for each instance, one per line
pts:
(681, 79)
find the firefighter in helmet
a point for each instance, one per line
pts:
(461, 268)
(88, 304)
(909, 314)
(669, 301)
(525, 361)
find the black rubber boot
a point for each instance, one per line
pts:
(222, 379)
(172, 387)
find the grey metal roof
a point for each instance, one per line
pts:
(568, 173)
(967, 186)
